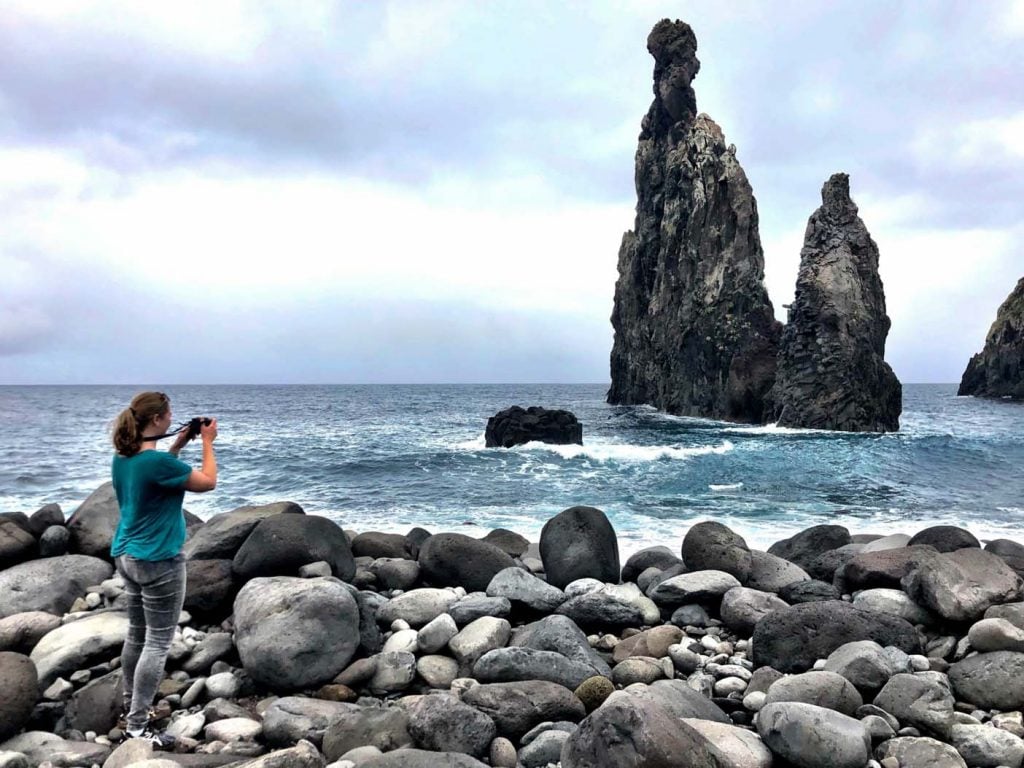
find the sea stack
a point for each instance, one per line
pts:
(695, 332)
(831, 368)
(998, 370)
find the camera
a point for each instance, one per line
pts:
(195, 424)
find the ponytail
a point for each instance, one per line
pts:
(130, 423)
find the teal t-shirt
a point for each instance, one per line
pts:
(150, 488)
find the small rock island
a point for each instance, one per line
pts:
(998, 370)
(518, 425)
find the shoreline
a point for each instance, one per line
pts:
(303, 645)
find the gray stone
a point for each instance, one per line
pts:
(483, 635)
(21, 631)
(444, 724)
(504, 665)
(522, 587)
(436, 633)
(628, 731)
(214, 646)
(503, 753)
(438, 671)
(93, 524)
(452, 559)
(711, 546)
(54, 541)
(918, 701)
(736, 747)
(47, 516)
(864, 663)
(375, 544)
(385, 728)
(395, 572)
(996, 635)
(695, 332)
(599, 610)
(961, 585)
(579, 542)
(477, 606)
(395, 672)
(882, 568)
(691, 615)
(402, 640)
(516, 707)
(233, 729)
(821, 688)
(637, 669)
(422, 758)
(945, 538)
(507, 541)
(417, 607)
(680, 700)
(831, 368)
(315, 569)
(281, 544)
(545, 749)
(982, 745)
(97, 705)
(291, 718)
(76, 645)
(302, 755)
(742, 608)
(19, 691)
(222, 535)
(804, 547)
(769, 573)
(991, 680)
(188, 726)
(223, 685)
(793, 639)
(894, 602)
(51, 584)
(805, 735)
(693, 587)
(560, 634)
(651, 557)
(129, 753)
(39, 746)
(1012, 612)
(920, 752)
(295, 633)
(210, 586)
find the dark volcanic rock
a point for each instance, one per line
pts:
(695, 332)
(455, 560)
(209, 586)
(18, 692)
(1011, 552)
(998, 370)
(376, 544)
(831, 370)
(16, 544)
(223, 534)
(281, 544)
(945, 538)
(806, 546)
(792, 639)
(516, 426)
(713, 546)
(579, 542)
(93, 524)
(651, 557)
(44, 517)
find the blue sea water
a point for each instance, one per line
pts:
(392, 457)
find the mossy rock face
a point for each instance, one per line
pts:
(593, 691)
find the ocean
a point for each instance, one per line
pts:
(388, 458)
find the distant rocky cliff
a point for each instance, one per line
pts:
(998, 370)
(831, 372)
(695, 332)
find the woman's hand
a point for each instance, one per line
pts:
(209, 431)
(179, 442)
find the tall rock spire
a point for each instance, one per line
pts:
(998, 370)
(695, 333)
(831, 368)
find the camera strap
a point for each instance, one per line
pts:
(180, 429)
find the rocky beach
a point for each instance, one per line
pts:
(304, 644)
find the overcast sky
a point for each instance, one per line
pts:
(242, 192)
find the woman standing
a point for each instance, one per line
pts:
(150, 486)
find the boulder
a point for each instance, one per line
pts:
(483, 635)
(295, 633)
(742, 608)
(864, 663)
(78, 644)
(16, 544)
(577, 543)
(808, 736)
(945, 538)
(961, 585)
(421, 758)
(417, 607)
(477, 606)
(376, 544)
(386, 728)
(523, 588)
(652, 557)
(210, 587)
(561, 635)
(97, 705)
(680, 700)
(39, 746)
(518, 426)
(918, 701)
(712, 546)
(395, 572)
(93, 524)
(695, 331)
(737, 748)
(442, 723)
(280, 544)
(517, 707)
(894, 602)
(507, 541)
(506, 665)
(990, 680)
(694, 587)
(996, 635)
(884, 568)
(54, 541)
(812, 591)
(821, 688)
(831, 369)
(291, 718)
(984, 745)
(920, 752)
(627, 731)
(807, 545)
(45, 517)
(1012, 612)
(998, 370)
(302, 755)
(769, 573)
(19, 691)
(792, 639)
(21, 631)
(599, 610)
(455, 560)
(51, 584)
(221, 536)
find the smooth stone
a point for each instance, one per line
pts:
(437, 671)
(736, 747)
(598, 610)
(385, 728)
(395, 672)
(233, 729)
(803, 733)
(483, 635)
(918, 701)
(742, 608)
(693, 587)
(961, 585)
(402, 640)
(19, 690)
(417, 606)
(452, 559)
(996, 635)
(990, 680)
(292, 718)
(502, 665)
(579, 542)
(894, 602)
(20, 632)
(560, 634)
(502, 753)
(711, 546)
(919, 752)
(823, 689)
(477, 606)
(545, 749)
(75, 645)
(211, 648)
(444, 724)
(222, 535)
(223, 685)
(436, 634)
(892, 541)
(395, 572)
(189, 726)
(518, 707)
(524, 588)
(982, 745)
(49, 584)
(863, 662)
(769, 573)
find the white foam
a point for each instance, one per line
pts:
(628, 453)
(726, 487)
(775, 429)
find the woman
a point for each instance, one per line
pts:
(150, 487)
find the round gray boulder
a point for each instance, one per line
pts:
(54, 541)
(659, 557)
(920, 752)
(945, 538)
(961, 585)
(281, 544)
(577, 543)
(522, 587)
(45, 517)
(742, 608)
(711, 546)
(821, 688)
(16, 544)
(695, 587)
(210, 587)
(771, 574)
(990, 680)
(918, 701)
(808, 736)
(93, 524)
(295, 633)
(442, 723)
(51, 584)
(802, 548)
(455, 560)
(221, 536)
(19, 689)
(517, 707)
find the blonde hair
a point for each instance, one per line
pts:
(130, 423)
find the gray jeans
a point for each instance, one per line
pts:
(156, 592)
